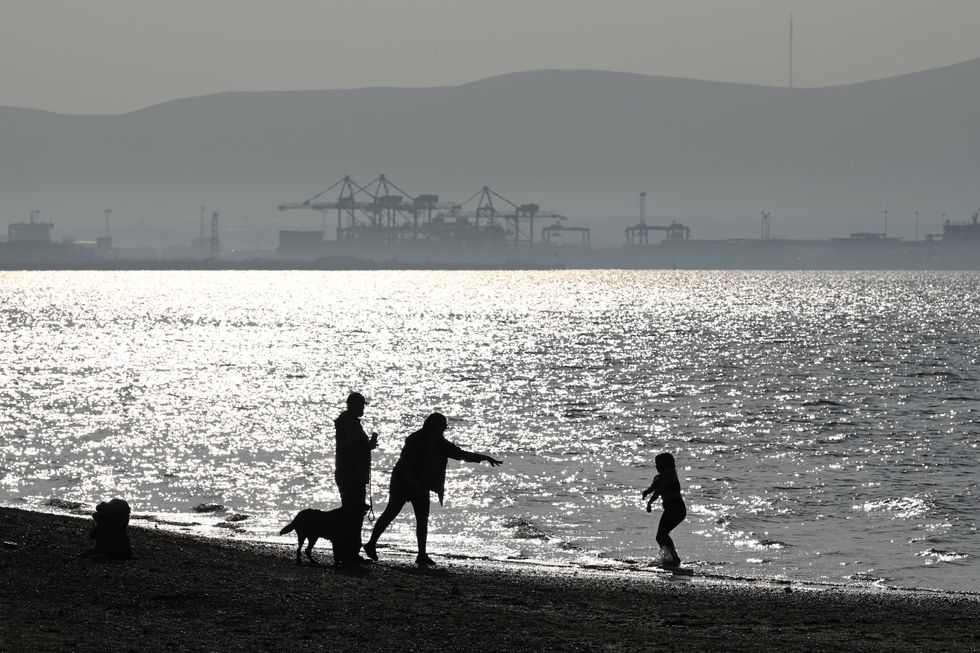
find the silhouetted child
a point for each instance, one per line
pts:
(667, 486)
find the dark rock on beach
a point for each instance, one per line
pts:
(111, 532)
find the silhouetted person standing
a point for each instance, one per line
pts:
(353, 470)
(667, 486)
(421, 469)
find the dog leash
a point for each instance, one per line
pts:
(370, 493)
(371, 496)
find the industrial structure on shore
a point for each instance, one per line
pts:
(380, 212)
(379, 225)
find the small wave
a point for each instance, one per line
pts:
(823, 402)
(164, 522)
(937, 374)
(698, 439)
(95, 436)
(208, 507)
(612, 557)
(905, 507)
(773, 544)
(64, 504)
(525, 530)
(867, 578)
(941, 555)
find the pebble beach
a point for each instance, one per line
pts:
(186, 593)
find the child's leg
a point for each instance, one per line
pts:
(668, 521)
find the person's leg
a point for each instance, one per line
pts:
(668, 521)
(396, 500)
(390, 512)
(420, 503)
(352, 496)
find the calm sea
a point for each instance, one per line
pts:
(826, 425)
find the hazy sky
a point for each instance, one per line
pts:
(110, 56)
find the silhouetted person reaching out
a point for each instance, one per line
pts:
(353, 472)
(667, 486)
(421, 469)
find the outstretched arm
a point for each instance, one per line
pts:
(471, 456)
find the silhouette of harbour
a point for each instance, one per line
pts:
(379, 226)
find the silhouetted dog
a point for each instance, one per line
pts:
(341, 526)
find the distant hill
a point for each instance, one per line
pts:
(824, 162)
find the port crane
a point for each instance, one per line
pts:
(509, 217)
(378, 210)
(552, 234)
(639, 234)
(382, 211)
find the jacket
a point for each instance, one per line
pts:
(353, 450)
(424, 458)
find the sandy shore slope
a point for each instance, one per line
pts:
(183, 593)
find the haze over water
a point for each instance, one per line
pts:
(826, 425)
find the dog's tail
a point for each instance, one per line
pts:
(289, 527)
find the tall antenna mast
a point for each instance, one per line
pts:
(643, 207)
(215, 249)
(791, 49)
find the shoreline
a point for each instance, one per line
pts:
(617, 567)
(186, 592)
(271, 265)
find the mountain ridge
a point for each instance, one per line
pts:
(824, 161)
(949, 67)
